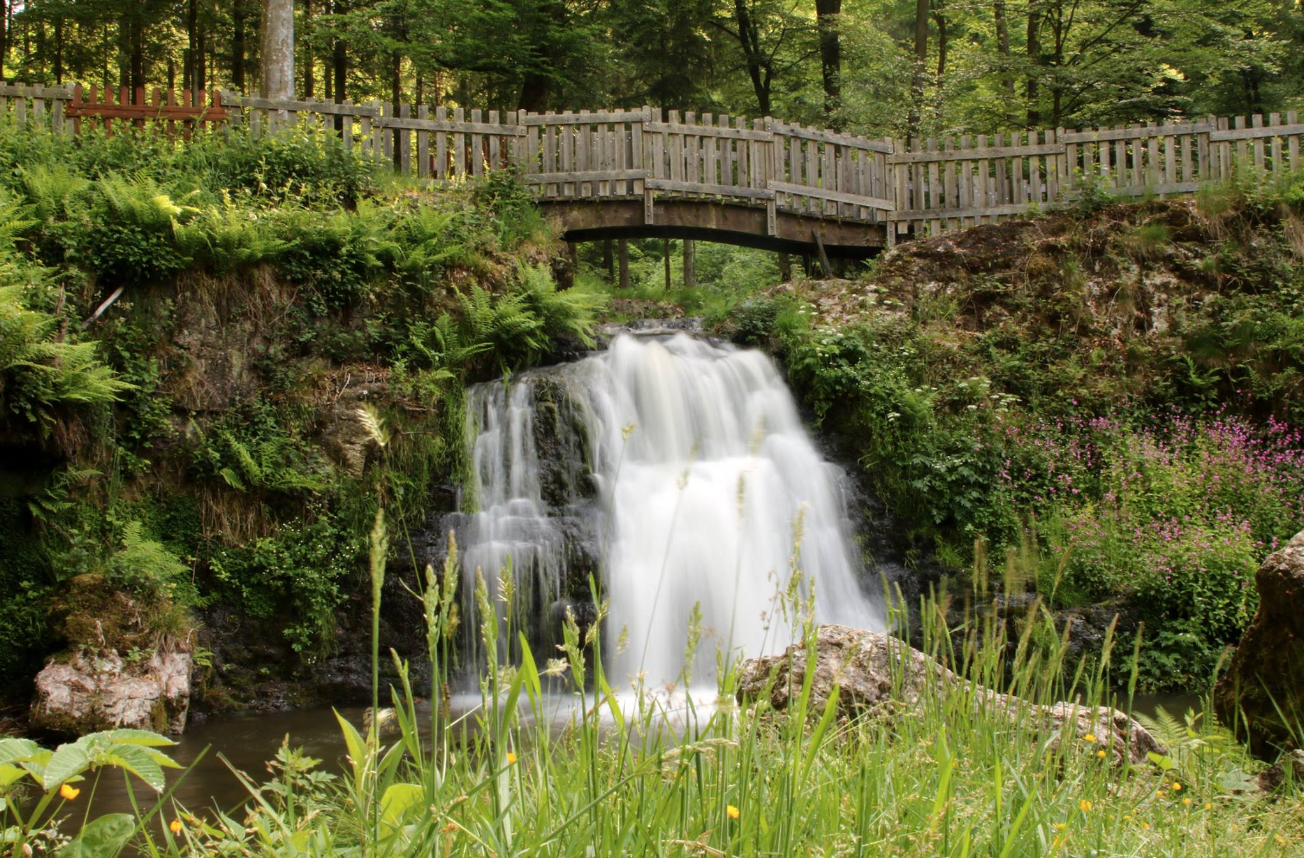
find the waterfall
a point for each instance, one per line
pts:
(679, 473)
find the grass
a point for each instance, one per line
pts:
(644, 771)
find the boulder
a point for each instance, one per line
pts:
(1266, 675)
(864, 665)
(90, 691)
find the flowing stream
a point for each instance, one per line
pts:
(679, 474)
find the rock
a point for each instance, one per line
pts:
(1271, 778)
(100, 691)
(864, 663)
(1266, 675)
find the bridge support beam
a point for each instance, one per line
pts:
(714, 220)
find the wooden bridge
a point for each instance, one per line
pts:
(761, 183)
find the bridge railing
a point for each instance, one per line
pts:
(928, 187)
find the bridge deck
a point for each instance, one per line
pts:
(763, 183)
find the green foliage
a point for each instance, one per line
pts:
(297, 573)
(39, 371)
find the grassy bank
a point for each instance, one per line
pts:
(195, 338)
(640, 773)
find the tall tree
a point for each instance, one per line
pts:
(827, 16)
(277, 33)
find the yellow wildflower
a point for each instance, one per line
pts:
(175, 826)
(1177, 787)
(1208, 806)
(1101, 753)
(1186, 801)
(1060, 826)
(1084, 806)
(1159, 793)
(1145, 825)
(731, 811)
(69, 792)
(1090, 737)
(511, 758)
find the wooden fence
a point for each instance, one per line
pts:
(930, 187)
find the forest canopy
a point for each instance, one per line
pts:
(870, 66)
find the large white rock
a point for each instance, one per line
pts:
(100, 691)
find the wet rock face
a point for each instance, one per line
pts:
(89, 692)
(1266, 676)
(863, 664)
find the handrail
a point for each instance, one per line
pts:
(925, 187)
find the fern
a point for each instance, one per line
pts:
(38, 373)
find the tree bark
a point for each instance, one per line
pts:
(609, 259)
(758, 69)
(666, 259)
(622, 257)
(1031, 88)
(58, 50)
(690, 263)
(278, 49)
(939, 16)
(827, 14)
(921, 59)
(4, 37)
(309, 83)
(238, 45)
(1003, 45)
(785, 267)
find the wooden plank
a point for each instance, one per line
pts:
(1257, 122)
(828, 176)
(593, 176)
(583, 118)
(1187, 169)
(1292, 143)
(713, 190)
(347, 108)
(1242, 149)
(1274, 120)
(1128, 133)
(459, 167)
(829, 195)
(957, 155)
(423, 145)
(830, 137)
(676, 149)
(987, 212)
(405, 143)
(1240, 132)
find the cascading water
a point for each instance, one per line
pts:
(677, 472)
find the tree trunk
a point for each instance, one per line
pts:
(278, 48)
(690, 263)
(827, 14)
(757, 68)
(309, 84)
(4, 38)
(609, 259)
(666, 259)
(341, 63)
(785, 267)
(921, 59)
(939, 16)
(1031, 89)
(137, 53)
(238, 45)
(192, 27)
(1003, 45)
(58, 51)
(622, 256)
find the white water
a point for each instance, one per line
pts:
(700, 456)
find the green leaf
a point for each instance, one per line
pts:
(101, 838)
(139, 762)
(68, 762)
(139, 737)
(9, 775)
(1163, 762)
(397, 800)
(17, 750)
